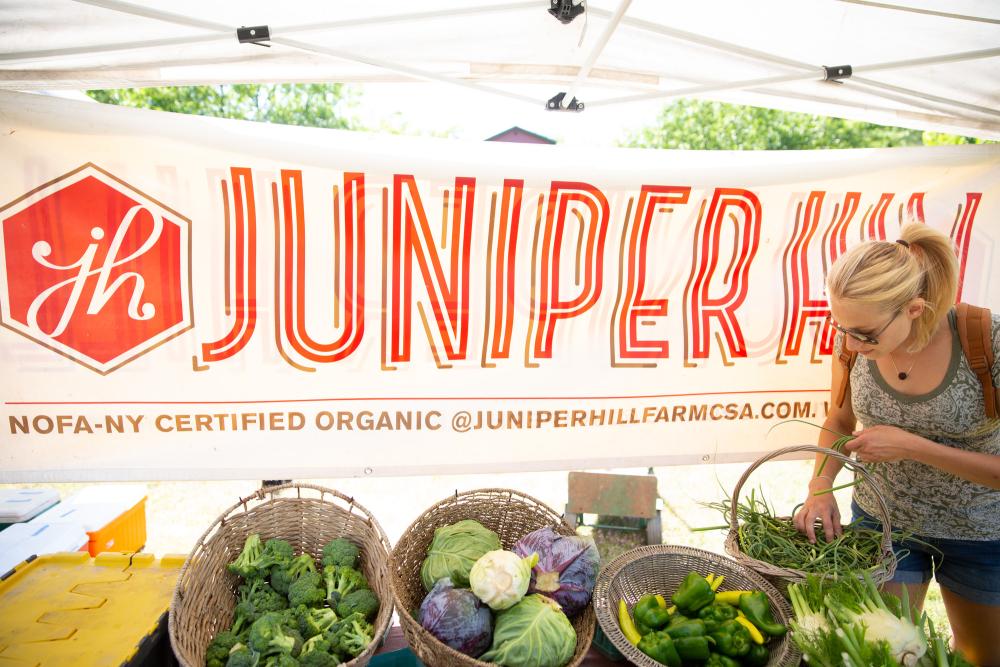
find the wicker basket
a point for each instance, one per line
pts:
(781, 576)
(660, 568)
(307, 517)
(509, 514)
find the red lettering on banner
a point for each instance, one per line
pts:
(635, 306)
(503, 253)
(410, 237)
(961, 233)
(290, 300)
(801, 305)
(245, 254)
(548, 307)
(915, 208)
(875, 221)
(835, 236)
(700, 307)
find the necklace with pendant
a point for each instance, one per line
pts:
(902, 375)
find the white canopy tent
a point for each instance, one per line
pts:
(926, 64)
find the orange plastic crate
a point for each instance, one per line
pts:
(126, 532)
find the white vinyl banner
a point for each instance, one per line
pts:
(191, 298)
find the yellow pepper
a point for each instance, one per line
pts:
(660, 600)
(755, 634)
(627, 626)
(717, 582)
(730, 597)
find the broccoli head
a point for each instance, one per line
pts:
(218, 649)
(361, 601)
(281, 660)
(317, 652)
(313, 622)
(350, 636)
(296, 636)
(242, 656)
(268, 635)
(256, 599)
(245, 564)
(340, 581)
(340, 552)
(275, 551)
(283, 574)
(308, 589)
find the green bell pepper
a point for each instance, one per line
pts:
(660, 647)
(693, 594)
(757, 608)
(757, 656)
(677, 618)
(693, 648)
(732, 639)
(716, 614)
(718, 660)
(650, 614)
(689, 627)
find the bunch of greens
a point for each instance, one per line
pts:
(847, 622)
(289, 612)
(772, 539)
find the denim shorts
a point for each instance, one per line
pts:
(968, 568)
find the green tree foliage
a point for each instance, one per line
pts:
(704, 125)
(311, 104)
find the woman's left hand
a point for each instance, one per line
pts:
(880, 444)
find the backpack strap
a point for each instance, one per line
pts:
(975, 333)
(847, 361)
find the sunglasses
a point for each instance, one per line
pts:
(860, 337)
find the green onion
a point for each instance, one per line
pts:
(775, 540)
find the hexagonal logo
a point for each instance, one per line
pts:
(94, 269)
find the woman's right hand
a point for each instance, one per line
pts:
(822, 507)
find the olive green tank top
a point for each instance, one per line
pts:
(922, 499)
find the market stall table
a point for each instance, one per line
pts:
(395, 641)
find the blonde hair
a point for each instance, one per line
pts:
(889, 275)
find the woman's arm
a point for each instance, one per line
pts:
(889, 443)
(840, 419)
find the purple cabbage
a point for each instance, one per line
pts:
(457, 617)
(566, 570)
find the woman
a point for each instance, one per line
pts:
(925, 425)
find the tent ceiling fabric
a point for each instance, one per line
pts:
(931, 64)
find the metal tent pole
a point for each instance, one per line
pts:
(34, 56)
(919, 10)
(817, 73)
(595, 52)
(179, 19)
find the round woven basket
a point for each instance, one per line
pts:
(307, 517)
(781, 576)
(660, 568)
(509, 514)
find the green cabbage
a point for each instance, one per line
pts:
(533, 633)
(454, 550)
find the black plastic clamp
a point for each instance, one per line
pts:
(564, 10)
(556, 104)
(256, 34)
(837, 73)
